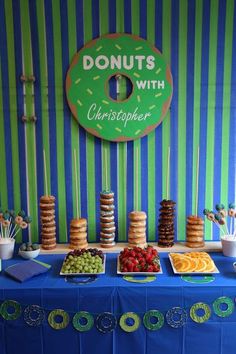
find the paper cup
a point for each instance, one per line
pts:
(6, 247)
(228, 245)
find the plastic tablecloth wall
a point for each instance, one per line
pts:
(111, 293)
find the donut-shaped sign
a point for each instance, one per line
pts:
(114, 56)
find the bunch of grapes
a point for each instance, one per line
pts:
(83, 261)
(139, 260)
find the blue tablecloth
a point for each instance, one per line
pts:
(111, 293)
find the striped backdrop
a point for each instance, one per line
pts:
(40, 37)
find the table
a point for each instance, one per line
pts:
(111, 293)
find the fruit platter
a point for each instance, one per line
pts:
(84, 262)
(192, 263)
(139, 261)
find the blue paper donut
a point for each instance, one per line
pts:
(106, 322)
(172, 321)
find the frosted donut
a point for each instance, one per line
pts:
(107, 207)
(87, 85)
(106, 235)
(107, 194)
(107, 224)
(107, 201)
(107, 219)
(107, 245)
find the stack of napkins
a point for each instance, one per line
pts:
(26, 270)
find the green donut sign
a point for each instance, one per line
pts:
(115, 56)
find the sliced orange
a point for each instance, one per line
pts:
(201, 265)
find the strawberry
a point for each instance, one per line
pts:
(150, 268)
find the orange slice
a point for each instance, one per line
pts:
(183, 264)
(201, 265)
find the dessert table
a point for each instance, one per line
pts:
(111, 293)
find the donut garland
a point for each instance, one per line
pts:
(105, 322)
(107, 219)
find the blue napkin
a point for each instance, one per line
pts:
(26, 270)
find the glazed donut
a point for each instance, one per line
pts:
(137, 215)
(78, 222)
(47, 199)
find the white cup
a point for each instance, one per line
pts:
(6, 247)
(228, 245)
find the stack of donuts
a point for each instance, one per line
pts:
(78, 233)
(107, 222)
(137, 229)
(166, 230)
(48, 223)
(195, 232)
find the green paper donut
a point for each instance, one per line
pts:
(200, 319)
(205, 279)
(65, 319)
(147, 320)
(83, 327)
(223, 300)
(113, 56)
(125, 326)
(4, 310)
(132, 279)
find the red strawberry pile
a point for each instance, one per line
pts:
(139, 260)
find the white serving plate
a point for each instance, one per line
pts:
(136, 273)
(216, 270)
(85, 274)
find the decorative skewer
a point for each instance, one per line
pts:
(45, 172)
(232, 214)
(168, 174)
(76, 187)
(136, 176)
